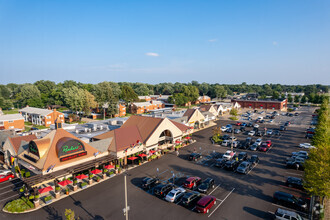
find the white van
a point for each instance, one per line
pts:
(283, 214)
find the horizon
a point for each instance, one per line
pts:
(225, 42)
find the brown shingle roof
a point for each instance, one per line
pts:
(16, 141)
(181, 126)
(126, 137)
(189, 113)
(205, 108)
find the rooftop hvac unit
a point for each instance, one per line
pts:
(77, 131)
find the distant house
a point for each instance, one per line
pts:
(203, 99)
(208, 108)
(39, 116)
(225, 107)
(144, 107)
(12, 121)
(194, 118)
(120, 107)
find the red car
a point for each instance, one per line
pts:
(269, 143)
(265, 145)
(4, 178)
(192, 182)
(238, 123)
(205, 203)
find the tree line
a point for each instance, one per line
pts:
(84, 96)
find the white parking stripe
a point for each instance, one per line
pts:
(214, 189)
(252, 169)
(8, 197)
(295, 174)
(162, 172)
(221, 202)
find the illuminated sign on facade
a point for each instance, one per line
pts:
(69, 147)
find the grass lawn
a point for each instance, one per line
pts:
(12, 111)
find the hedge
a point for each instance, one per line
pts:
(48, 198)
(17, 205)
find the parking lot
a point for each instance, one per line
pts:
(238, 196)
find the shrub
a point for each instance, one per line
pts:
(105, 170)
(90, 176)
(22, 189)
(75, 182)
(17, 205)
(24, 199)
(57, 189)
(110, 173)
(48, 198)
(27, 174)
(233, 118)
(30, 204)
(31, 197)
(83, 184)
(117, 166)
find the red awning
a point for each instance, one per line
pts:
(177, 141)
(132, 158)
(152, 151)
(143, 155)
(96, 171)
(109, 167)
(65, 182)
(188, 137)
(46, 189)
(82, 176)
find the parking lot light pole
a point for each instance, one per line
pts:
(126, 208)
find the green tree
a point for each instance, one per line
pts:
(45, 86)
(141, 89)
(178, 99)
(303, 99)
(69, 214)
(89, 102)
(128, 94)
(296, 98)
(233, 112)
(290, 98)
(220, 91)
(74, 98)
(204, 88)
(29, 92)
(105, 97)
(275, 95)
(191, 92)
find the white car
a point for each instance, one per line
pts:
(256, 126)
(306, 145)
(269, 132)
(223, 128)
(251, 133)
(225, 143)
(229, 154)
(175, 194)
(258, 141)
(4, 172)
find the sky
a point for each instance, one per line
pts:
(220, 41)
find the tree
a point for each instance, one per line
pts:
(275, 95)
(128, 94)
(29, 92)
(220, 91)
(105, 97)
(303, 99)
(191, 92)
(233, 112)
(45, 86)
(141, 89)
(74, 98)
(89, 102)
(179, 99)
(296, 98)
(204, 88)
(69, 214)
(290, 98)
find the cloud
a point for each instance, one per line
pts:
(151, 54)
(213, 40)
(275, 43)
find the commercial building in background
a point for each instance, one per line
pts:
(39, 116)
(280, 105)
(203, 99)
(12, 121)
(144, 107)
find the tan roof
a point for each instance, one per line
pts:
(189, 113)
(49, 156)
(146, 125)
(16, 141)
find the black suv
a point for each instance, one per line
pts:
(294, 182)
(254, 159)
(282, 128)
(231, 165)
(242, 156)
(194, 156)
(220, 162)
(206, 185)
(289, 200)
(225, 137)
(190, 198)
(162, 189)
(148, 183)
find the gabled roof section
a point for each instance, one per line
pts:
(127, 137)
(189, 113)
(16, 141)
(181, 126)
(205, 108)
(146, 125)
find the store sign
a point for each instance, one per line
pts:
(70, 147)
(33, 149)
(62, 159)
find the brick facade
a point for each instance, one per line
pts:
(140, 108)
(121, 111)
(12, 124)
(262, 104)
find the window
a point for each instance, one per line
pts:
(61, 116)
(1, 123)
(11, 121)
(48, 122)
(49, 117)
(11, 127)
(286, 217)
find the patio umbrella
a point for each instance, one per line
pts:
(188, 137)
(152, 151)
(177, 141)
(132, 158)
(96, 171)
(143, 155)
(46, 189)
(108, 167)
(65, 182)
(81, 176)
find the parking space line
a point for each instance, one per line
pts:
(269, 149)
(8, 197)
(252, 169)
(296, 174)
(163, 172)
(221, 203)
(214, 189)
(20, 181)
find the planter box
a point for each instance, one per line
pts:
(90, 182)
(57, 195)
(49, 201)
(83, 187)
(104, 175)
(36, 203)
(75, 188)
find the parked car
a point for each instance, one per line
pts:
(309, 136)
(300, 153)
(225, 137)
(205, 203)
(277, 132)
(254, 147)
(282, 214)
(282, 128)
(259, 141)
(237, 131)
(260, 133)
(297, 163)
(229, 126)
(289, 200)
(294, 182)
(244, 167)
(236, 144)
(148, 183)
(229, 154)
(252, 133)
(247, 143)
(4, 172)
(263, 147)
(238, 123)
(216, 155)
(242, 156)
(306, 146)
(223, 128)
(220, 162)
(8, 176)
(256, 125)
(192, 182)
(231, 164)
(249, 124)
(206, 185)
(190, 198)
(229, 130)
(254, 159)
(161, 190)
(194, 156)
(175, 194)
(226, 143)
(269, 132)
(243, 124)
(242, 128)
